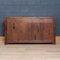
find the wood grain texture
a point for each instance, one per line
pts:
(30, 30)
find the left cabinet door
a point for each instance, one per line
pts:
(24, 32)
(11, 32)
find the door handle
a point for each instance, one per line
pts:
(13, 25)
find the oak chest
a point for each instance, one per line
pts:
(30, 30)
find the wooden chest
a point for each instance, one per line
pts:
(30, 30)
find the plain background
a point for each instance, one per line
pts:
(30, 8)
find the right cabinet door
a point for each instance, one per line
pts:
(48, 32)
(43, 33)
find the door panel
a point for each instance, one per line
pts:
(24, 31)
(42, 32)
(52, 32)
(11, 32)
(34, 31)
(39, 34)
(37, 31)
(48, 32)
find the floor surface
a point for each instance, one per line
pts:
(30, 52)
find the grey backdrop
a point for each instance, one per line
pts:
(30, 8)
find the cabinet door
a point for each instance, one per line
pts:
(37, 32)
(48, 32)
(24, 32)
(11, 32)
(43, 32)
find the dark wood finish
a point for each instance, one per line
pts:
(29, 30)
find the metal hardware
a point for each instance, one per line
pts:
(13, 26)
